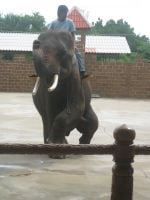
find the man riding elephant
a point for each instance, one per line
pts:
(64, 23)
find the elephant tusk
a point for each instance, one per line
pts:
(35, 89)
(55, 83)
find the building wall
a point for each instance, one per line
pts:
(14, 74)
(107, 80)
(119, 80)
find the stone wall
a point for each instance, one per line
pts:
(119, 80)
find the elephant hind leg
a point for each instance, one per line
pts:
(87, 126)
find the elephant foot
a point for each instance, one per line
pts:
(57, 156)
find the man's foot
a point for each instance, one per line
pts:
(84, 75)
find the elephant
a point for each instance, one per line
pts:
(61, 97)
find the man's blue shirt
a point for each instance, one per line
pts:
(66, 25)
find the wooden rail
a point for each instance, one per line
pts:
(123, 152)
(56, 149)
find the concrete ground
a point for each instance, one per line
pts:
(35, 177)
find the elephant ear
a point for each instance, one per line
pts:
(36, 44)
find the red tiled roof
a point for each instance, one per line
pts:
(78, 19)
(90, 50)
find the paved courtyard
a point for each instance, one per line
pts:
(35, 177)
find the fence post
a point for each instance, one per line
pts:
(122, 178)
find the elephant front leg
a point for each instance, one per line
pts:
(58, 130)
(57, 135)
(62, 123)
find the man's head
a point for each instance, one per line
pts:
(62, 12)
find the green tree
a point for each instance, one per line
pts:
(97, 27)
(23, 23)
(138, 44)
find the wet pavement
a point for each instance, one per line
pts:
(82, 177)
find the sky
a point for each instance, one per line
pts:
(135, 12)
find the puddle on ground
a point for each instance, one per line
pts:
(14, 170)
(12, 167)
